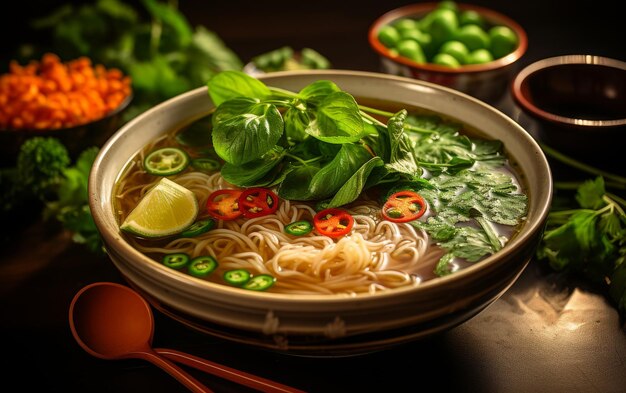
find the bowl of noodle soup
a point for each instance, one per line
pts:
(381, 284)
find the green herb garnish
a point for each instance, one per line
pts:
(320, 145)
(590, 239)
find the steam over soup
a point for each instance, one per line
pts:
(313, 192)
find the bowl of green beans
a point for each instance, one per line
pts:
(462, 46)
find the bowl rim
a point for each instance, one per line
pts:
(411, 9)
(135, 256)
(557, 61)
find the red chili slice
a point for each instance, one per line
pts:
(224, 204)
(333, 222)
(257, 202)
(404, 206)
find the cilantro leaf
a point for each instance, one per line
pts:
(589, 194)
(465, 207)
(493, 194)
(468, 243)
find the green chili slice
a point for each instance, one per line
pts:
(176, 260)
(237, 277)
(205, 164)
(198, 228)
(260, 282)
(202, 266)
(166, 161)
(299, 228)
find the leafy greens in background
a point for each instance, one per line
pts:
(154, 44)
(45, 176)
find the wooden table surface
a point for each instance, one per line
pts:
(548, 333)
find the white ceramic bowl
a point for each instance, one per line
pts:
(325, 324)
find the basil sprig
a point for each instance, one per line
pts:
(320, 145)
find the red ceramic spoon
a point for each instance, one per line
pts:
(111, 321)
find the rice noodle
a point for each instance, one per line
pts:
(378, 255)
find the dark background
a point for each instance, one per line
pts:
(338, 29)
(546, 334)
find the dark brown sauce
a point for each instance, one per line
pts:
(579, 91)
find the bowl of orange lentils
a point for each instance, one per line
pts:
(76, 101)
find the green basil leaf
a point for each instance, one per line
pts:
(485, 147)
(197, 134)
(295, 185)
(245, 130)
(317, 91)
(230, 84)
(378, 140)
(233, 107)
(336, 173)
(249, 174)
(296, 122)
(433, 123)
(351, 190)
(308, 149)
(338, 120)
(327, 150)
(380, 176)
(401, 157)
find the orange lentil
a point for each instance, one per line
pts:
(50, 94)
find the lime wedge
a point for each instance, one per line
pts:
(166, 209)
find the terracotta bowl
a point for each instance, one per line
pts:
(320, 325)
(576, 102)
(487, 81)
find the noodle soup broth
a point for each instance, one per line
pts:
(377, 255)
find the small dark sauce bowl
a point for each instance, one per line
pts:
(578, 102)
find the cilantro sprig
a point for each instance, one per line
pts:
(467, 205)
(467, 197)
(588, 235)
